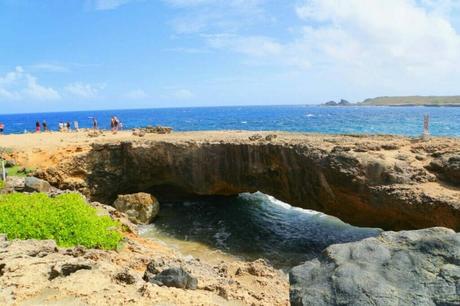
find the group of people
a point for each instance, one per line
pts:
(38, 126)
(115, 125)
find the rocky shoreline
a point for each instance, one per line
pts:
(140, 272)
(386, 181)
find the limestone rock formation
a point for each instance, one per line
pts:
(36, 272)
(397, 268)
(377, 181)
(14, 183)
(173, 277)
(33, 184)
(448, 168)
(140, 208)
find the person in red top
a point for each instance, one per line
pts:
(37, 127)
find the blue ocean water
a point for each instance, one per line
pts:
(445, 121)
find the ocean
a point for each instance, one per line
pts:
(445, 121)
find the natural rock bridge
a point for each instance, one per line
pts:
(379, 181)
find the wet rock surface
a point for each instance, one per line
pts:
(397, 268)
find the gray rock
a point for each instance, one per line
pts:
(10, 163)
(140, 208)
(33, 184)
(271, 137)
(125, 278)
(447, 167)
(175, 277)
(255, 137)
(15, 183)
(397, 268)
(66, 269)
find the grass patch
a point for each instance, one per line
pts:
(66, 218)
(18, 171)
(2, 184)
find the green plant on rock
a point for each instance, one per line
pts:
(67, 219)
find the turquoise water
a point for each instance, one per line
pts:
(251, 226)
(387, 120)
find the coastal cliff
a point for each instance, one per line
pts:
(380, 181)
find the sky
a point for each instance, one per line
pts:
(117, 54)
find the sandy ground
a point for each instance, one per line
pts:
(42, 149)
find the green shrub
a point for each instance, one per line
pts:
(66, 218)
(18, 171)
(2, 184)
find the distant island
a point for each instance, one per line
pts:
(402, 101)
(413, 101)
(341, 103)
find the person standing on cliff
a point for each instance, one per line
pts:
(45, 126)
(2, 127)
(37, 127)
(94, 123)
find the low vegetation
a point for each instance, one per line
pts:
(414, 101)
(66, 218)
(18, 171)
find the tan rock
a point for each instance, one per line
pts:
(140, 208)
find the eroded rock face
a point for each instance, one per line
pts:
(406, 268)
(173, 277)
(448, 168)
(368, 181)
(36, 272)
(140, 208)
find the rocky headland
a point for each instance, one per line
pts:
(390, 182)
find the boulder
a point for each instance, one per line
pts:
(271, 137)
(65, 269)
(447, 167)
(33, 184)
(397, 268)
(125, 278)
(157, 130)
(255, 137)
(9, 163)
(174, 277)
(140, 208)
(15, 183)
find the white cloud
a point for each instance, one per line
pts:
(397, 38)
(83, 90)
(199, 16)
(103, 5)
(136, 94)
(49, 67)
(249, 45)
(20, 85)
(183, 94)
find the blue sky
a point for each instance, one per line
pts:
(108, 54)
